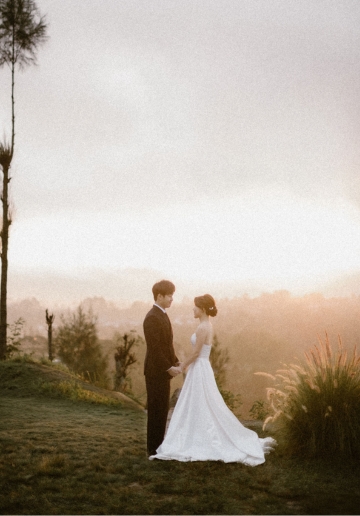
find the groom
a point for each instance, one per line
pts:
(160, 363)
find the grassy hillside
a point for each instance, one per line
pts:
(66, 452)
(28, 378)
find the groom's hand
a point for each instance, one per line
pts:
(174, 371)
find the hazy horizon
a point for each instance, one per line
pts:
(128, 286)
(212, 143)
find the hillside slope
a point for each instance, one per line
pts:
(24, 379)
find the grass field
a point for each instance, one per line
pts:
(67, 453)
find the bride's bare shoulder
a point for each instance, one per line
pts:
(204, 329)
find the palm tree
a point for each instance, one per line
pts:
(22, 30)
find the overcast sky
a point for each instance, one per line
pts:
(212, 142)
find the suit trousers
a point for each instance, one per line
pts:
(158, 397)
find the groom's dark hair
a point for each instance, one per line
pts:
(163, 287)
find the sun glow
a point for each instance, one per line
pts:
(273, 240)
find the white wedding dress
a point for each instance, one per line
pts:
(203, 428)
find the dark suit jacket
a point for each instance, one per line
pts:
(160, 354)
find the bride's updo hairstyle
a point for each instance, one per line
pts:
(206, 303)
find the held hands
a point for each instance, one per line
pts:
(174, 371)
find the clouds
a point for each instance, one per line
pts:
(156, 109)
(219, 97)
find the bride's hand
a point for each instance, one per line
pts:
(174, 371)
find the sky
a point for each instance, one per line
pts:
(211, 143)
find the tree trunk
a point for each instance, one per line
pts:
(13, 101)
(50, 343)
(4, 262)
(6, 222)
(49, 322)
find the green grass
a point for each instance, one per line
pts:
(69, 456)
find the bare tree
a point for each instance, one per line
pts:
(22, 30)
(124, 358)
(49, 322)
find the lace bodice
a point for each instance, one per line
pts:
(205, 350)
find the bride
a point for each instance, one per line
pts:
(202, 427)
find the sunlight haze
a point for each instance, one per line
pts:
(212, 143)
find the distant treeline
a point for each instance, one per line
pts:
(260, 333)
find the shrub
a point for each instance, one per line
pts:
(317, 402)
(259, 410)
(219, 358)
(233, 401)
(72, 390)
(14, 338)
(78, 347)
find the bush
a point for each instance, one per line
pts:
(317, 402)
(233, 401)
(219, 358)
(14, 338)
(78, 347)
(72, 390)
(259, 410)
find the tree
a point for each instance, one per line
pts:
(49, 322)
(78, 346)
(22, 30)
(124, 359)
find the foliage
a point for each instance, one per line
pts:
(219, 359)
(23, 358)
(78, 346)
(24, 376)
(233, 401)
(5, 155)
(317, 402)
(54, 364)
(22, 30)
(259, 410)
(124, 359)
(14, 338)
(73, 390)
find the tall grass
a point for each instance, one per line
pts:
(317, 401)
